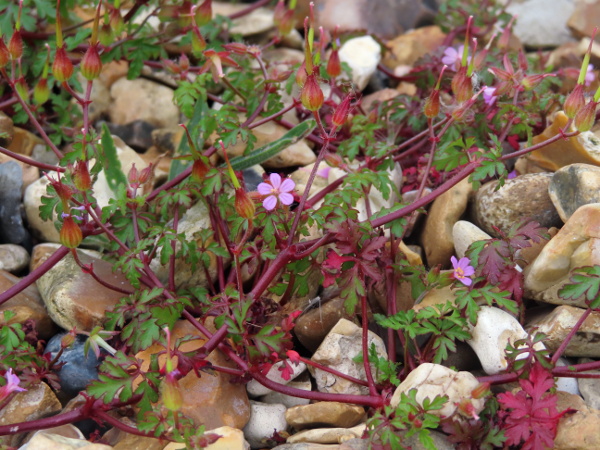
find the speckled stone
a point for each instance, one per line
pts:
(573, 186)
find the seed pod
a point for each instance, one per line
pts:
(70, 233)
(62, 68)
(91, 65)
(312, 96)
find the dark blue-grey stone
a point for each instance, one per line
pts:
(78, 370)
(252, 179)
(136, 134)
(12, 230)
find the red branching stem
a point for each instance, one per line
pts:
(277, 265)
(309, 362)
(90, 270)
(365, 346)
(34, 275)
(32, 162)
(120, 425)
(563, 345)
(42, 424)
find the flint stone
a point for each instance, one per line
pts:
(362, 54)
(12, 229)
(340, 346)
(578, 431)
(258, 21)
(312, 326)
(520, 200)
(136, 134)
(590, 388)
(264, 421)
(573, 186)
(288, 400)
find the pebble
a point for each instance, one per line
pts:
(589, 387)
(288, 400)
(73, 298)
(340, 346)
(13, 258)
(255, 389)
(578, 431)
(362, 54)
(231, 439)
(79, 369)
(258, 21)
(7, 130)
(446, 210)
(328, 435)
(24, 142)
(42, 229)
(520, 200)
(464, 234)
(264, 421)
(584, 18)
(312, 326)
(12, 229)
(324, 414)
(136, 134)
(30, 173)
(406, 49)
(431, 380)
(49, 441)
(573, 186)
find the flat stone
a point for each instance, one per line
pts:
(256, 389)
(142, 99)
(74, 299)
(520, 200)
(23, 142)
(573, 186)
(432, 380)
(301, 176)
(29, 173)
(578, 431)
(445, 211)
(167, 140)
(36, 402)
(231, 439)
(340, 346)
(288, 400)
(136, 134)
(13, 258)
(575, 245)
(258, 21)
(324, 414)
(464, 234)
(42, 229)
(126, 441)
(583, 148)
(362, 54)
(371, 101)
(49, 441)
(26, 305)
(406, 49)
(328, 435)
(589, 387)
(264, 421)
(584, 18)
(561, 321)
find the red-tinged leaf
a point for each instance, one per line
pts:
(511, 280)
(523, 236)
(371, 248)
(493, 259)
(286, 371)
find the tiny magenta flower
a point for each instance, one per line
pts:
(81, 176)
(70, 233)
(203, 13)
(311, 95)
(244, 205)
(489, 95)
(574, 102)
(586, 116)
(334, 66)
(462, 270)
(15, 45)
(275, 190)
(12, 384)
(62, 67)
(91, 65)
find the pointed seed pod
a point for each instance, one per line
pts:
(574, 102)
(41, 92)
(244, 205)
(311, 95)
(203, 13)
(91, 65)
(341, 112)
(334, 66)
(62, 68)
(15, 45)
(70, 233)
(81, 176)
(585, 118)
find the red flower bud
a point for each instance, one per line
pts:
(4, 53)
(203, 13)
(574, 102)
(432, 104)
(301, 75)
(199, 170)
(170, 393)
(41, 92)
(70, 233)
(462, 86)
(341, 112)
(311, 95)
(334, 67)
(585, 118)
(244, 205)
(62, 68)
(333, 159)
(287, 23)
(81, 176)
(15, 45)
(91, 66)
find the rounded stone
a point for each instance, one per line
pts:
(520, 200)
(574, 186)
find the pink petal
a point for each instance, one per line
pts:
(468, 271)
(454, 262)
(270, 202)
(264, 188)
(288, 185)
(275, 180)
(286, 199)
(466, 281)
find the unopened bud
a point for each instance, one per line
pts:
(574, 102)
(67, 340)
(462, 86)
(63, 191)
(203, 13)
(62, 68)
(116, 22)
(81, 176)
(279, 12)
(341, 112)
(41, 92)
(334, 66)
(333, 159)
(170, 393)
(244, 205)
(432, 105)
(199, 170)
(70, 233)
(531, 81)
(287, 23)
(106, 35)
(91, 65)
(585, 118)
(22, 88)
(198, 41)
(15, 45)
(481, 391)
(311, 95)
(4, 53)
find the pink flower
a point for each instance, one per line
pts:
(489, 95)
(590, 76)
(463, 270)
(276, 190)
(452, 57)
(12, 385)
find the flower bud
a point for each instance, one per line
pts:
(203, 13)
(62, 68)
(574, 102)
(287, 23)
(585, 117)
(22, 88)
(462, 86)
(106, 35)
(41, 92)
(4, 53)
(116, 22)
(334, 67)
(236, 47)
(170, 393)
(432, 105)
(198, 41)
(81, 176)
(91, 66)
(333, 159)
(311, 95)
(531, 81)
(244, 205)
(63, 191)
(70, 233)
(341, 112)
(199, 170)
(67, 340)
(279, 12)
(15, 45)
(301, 75)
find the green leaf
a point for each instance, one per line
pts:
(193, 126)
(260, 155)
(110, 161)
(585, 282)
